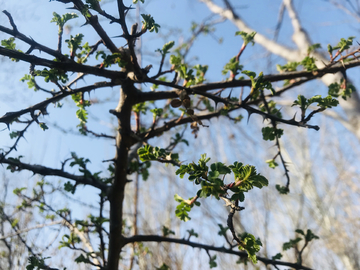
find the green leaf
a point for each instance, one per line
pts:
(74, 43)
(310, 236)
(326, 102)
(69, 240)
(246, 37)
(344, 44)
(270, 133)
(277, 256)
(34, 261)
(149, 23)
(223, 230)
(175, 60)
(14, 222)
(221, 168)
(282, 189)
(31, 81)
(313, 47)
(61, 21)
(309, 63)
(183, 209)
(212, 262)
(251, 245)
(200, 73)
(289, 67)
(272, 163)
(43, 126)
(157, 111)
(14, 134)
(341, 90)
(82, 115)
(258, 84)
(163, 266)
(166, 48)
(182, 212)
(52, 75)
(17, 191)
(246, 178)
(166, 231)
(192, 233)
(233, 66)
(148, 152)
(302, 102)
(238, 196)
(82, 259)
(9, 43)
(292, 243)
(330, 49)
(69, 187)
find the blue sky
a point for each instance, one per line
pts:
(324, 23)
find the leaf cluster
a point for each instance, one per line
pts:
(343, 90)
(191, 76)
(36, 263)
(270, 133)
(62, 20)
(251, 245)
(74, 43)
(233, 66)
(10, 45)
(52, 75)
(258, 83)
(246, 37)
(343, 45)
(288, 67)
(183, 208)
(147, 153)
(166, 48)
(149, 23)
(211, 178)
(323, 103)
(31, 81)
(309, 63)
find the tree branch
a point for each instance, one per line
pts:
(10, 116)
(39, 226)
(15, 33)
(46, 171)
(242, 254)
(68, 65)
(300, 37)
(272, 46)
(271, 78)
(94, 22)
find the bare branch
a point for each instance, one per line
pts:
(39, 226)
(272, 46)
(46, 171)
(10, 116)
(300, 37)
(31, 42)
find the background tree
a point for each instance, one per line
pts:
(184, 87)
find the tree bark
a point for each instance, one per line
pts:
(124, 141)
